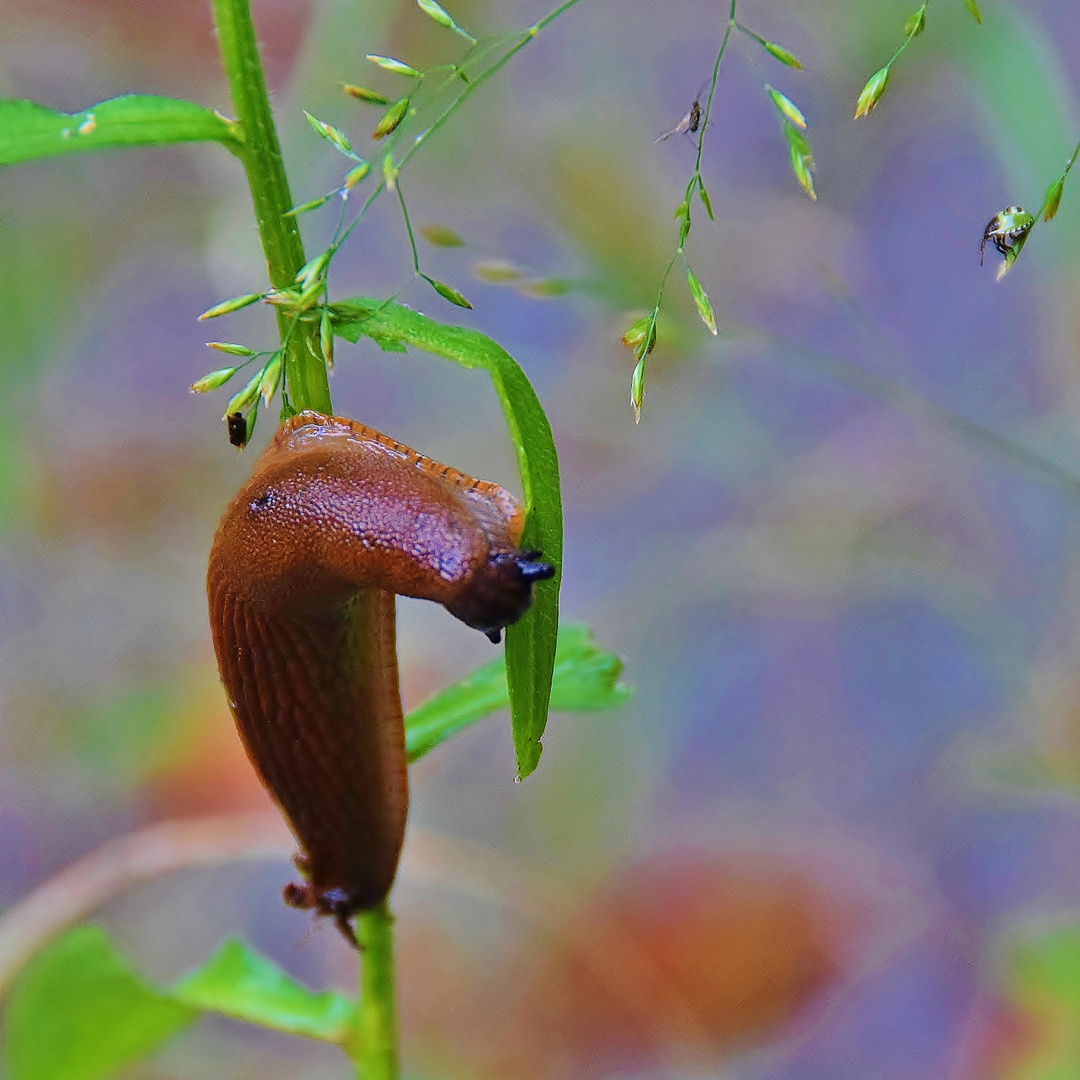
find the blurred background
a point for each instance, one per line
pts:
(836, 828)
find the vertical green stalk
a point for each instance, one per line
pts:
(376, 1032)
(261, 155)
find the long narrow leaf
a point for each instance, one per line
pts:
(530, 642)
(29, 131)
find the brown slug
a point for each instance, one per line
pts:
(334, 521)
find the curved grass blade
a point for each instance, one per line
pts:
(530, 642)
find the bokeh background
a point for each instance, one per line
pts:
(831, 832)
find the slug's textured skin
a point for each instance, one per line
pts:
(334, 521)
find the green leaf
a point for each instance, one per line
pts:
(29, 131)
(236, 981)
(871, 92)
(701, 301)
(973, 7)
(447, 293)
(79, 1012)
(586, 676)
(530, 642)
(585, 680)
(782, 55)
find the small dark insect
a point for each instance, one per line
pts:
(1005, 229)
(237, 427)
(689, 123)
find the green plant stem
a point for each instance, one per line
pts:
(374, 1050)
(731, 24)
(261, 155)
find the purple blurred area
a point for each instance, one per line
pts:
(837, 555)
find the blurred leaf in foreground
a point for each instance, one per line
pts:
(79, 1012)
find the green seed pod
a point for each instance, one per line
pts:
(782, 55)
(637, 390)
(245, 397)
(1053, 198)
(429, 7)
(356, 174)
(634, 338)
(270, 378)
(313, 204)
(362, 93)
(235, 304)
(871, 92)
(388, 63)
(230, 349)
(326, 337)
(787, 108)
(916, 23)
(496, 273)
(331, 134)
(213, 380)
(391, 118)
(447, 293)
(701, 301)
(441, 236)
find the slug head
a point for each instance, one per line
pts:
(500, 591)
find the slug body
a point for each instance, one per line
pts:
(334, 521)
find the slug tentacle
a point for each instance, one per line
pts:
(335, 520)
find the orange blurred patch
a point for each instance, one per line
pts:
(126, 498)
(1008, 1042)
(681, 960)
(213, 773)
(685, 958)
